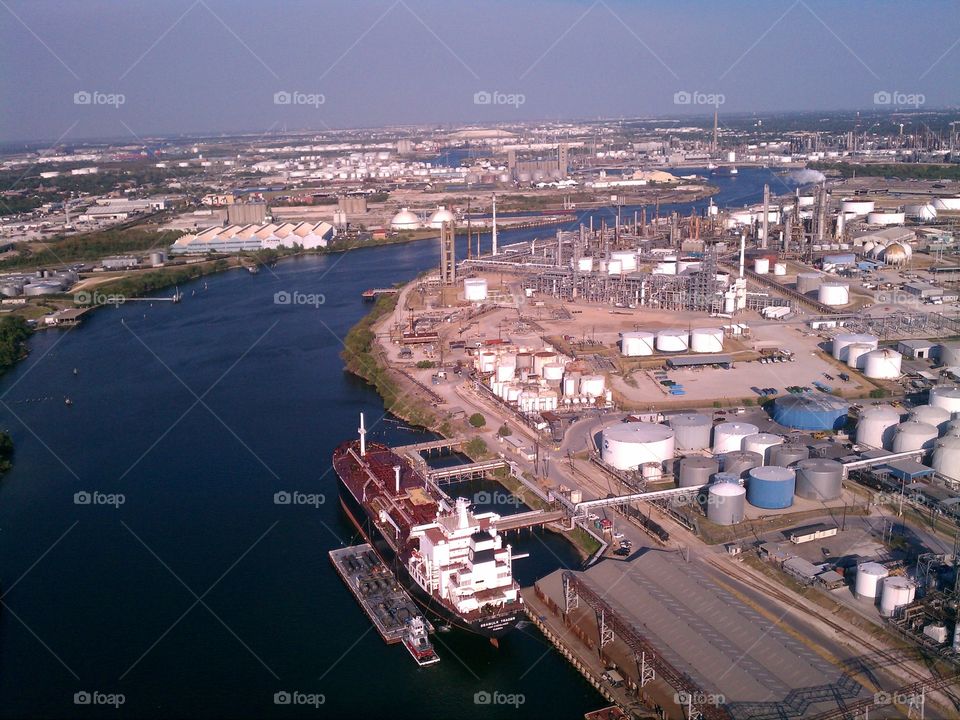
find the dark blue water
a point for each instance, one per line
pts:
(199, 596)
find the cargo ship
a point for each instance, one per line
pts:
(451, 560)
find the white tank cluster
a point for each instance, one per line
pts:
(475, 289)
(923, 213)
(914, 435)
(843, 341)
(729, 436)
(877, 426)
(834, 293)
(762, 444)
(706, 340)
(869, 577)
(627, 446)
(673, 340)
(856, 355)
(896, 592)
(882, 364)
(637, 344)
(932, 415)
(946, 397)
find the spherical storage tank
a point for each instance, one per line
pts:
(725, 504)
(819, 479)
(834, 293)
(761, 443)
(475, 289)
(771, 487)
(706, 340)
(627, 446)
(405, 220)
(856, 355)
(810, 411)
(946, 456)
(636, 344)
(936, 416)
(692, 431)
(882, 364)
(439, 217)
(808, 282)
(672, 340)
(841, 342)
(740, 462)
(729, 436)
(869, 577)
(695, 471)
(877, 426)
(914, 436)
(788, 454)
(945, 397)
(896, 591)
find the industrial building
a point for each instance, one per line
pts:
(250, 238)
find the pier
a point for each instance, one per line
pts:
(533, 518)
(466, 471)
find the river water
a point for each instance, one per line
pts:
(199, 596)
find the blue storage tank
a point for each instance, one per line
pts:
(771, 487)
(811, 411)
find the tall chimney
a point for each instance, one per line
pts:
(743, 250)
(363, 437)
(493, 249)
(396, 472)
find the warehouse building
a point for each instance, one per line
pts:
(250, 238)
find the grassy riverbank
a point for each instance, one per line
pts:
(14, 333)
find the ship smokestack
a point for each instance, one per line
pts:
(396, 472)
(363, 437)
(743, 249)
(463, 519)
(493, 240)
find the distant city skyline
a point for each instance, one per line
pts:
(133, 69)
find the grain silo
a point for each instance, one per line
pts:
(819, 479)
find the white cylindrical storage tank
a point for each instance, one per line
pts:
(637, 344)
(696, 471)
(672, 340)
(834, 293)
(706, 340)
(946, 456)
(728, 437)
(626, 258)
(877, 426)
(819, 479)
(808, 282)
(627, 446)
(761, 266)
(488, 362)
(553, 371)
(882, 364)
(780, 269)
(857, 207)
(932, 415)
(806, 201)
(505, 372)
(856, 354)
(886, 217)
(726, 503)
(842, 341)
(524, 361)
(869, 577)
(544, 357)
(896, 591)
(914, 436)
(614, 267)
(475, 289)
(761, 443)
(947, 203)
(585, 264)
(652, 471)
(592, 385)
(691, 430)
(665, 268)
(571, 383)
(513, 393)
(945, 397)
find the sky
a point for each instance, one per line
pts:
(74, 69)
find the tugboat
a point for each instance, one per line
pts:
(417, 642)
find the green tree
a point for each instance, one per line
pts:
(478, 420)
(476, 448)
(504, 431)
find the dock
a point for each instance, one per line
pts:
(375, 587)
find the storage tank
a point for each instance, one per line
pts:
(725, 477)
(592, 385)
(896, 591)
(729, 436)
(947, 203)
(882, 364)
(842, 341)
(544, 357)
(637, 344)
(740, 462)
(811, 411)
(475, 289)
(488, 362)
(869, 577)
(761, 266)
(780, 269)
(672, 340)
(771, 487)
(914, 436)
(571, 384)
(946, 456)
(946, 397)
(834, 293)
(857, 207)
(614, 267)
(819, 479)
(886, 217)
(553, 371)
(692, 430)
(695, 471)
(505, 372)
(856, 355)
(524, 361)
(626, 258)
(807, 282)
(725, 503)
(788, 454)
(585, 264)
(877, 426)
(936, 416)
(35, 289)
(761, 443)
(952, 429)
(627, 446)
(706, 340)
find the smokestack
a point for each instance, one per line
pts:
(396, 472)
(766, 205)
(493, 250)
(363, 437)
(743, 250)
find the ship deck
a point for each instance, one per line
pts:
(375, 587)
